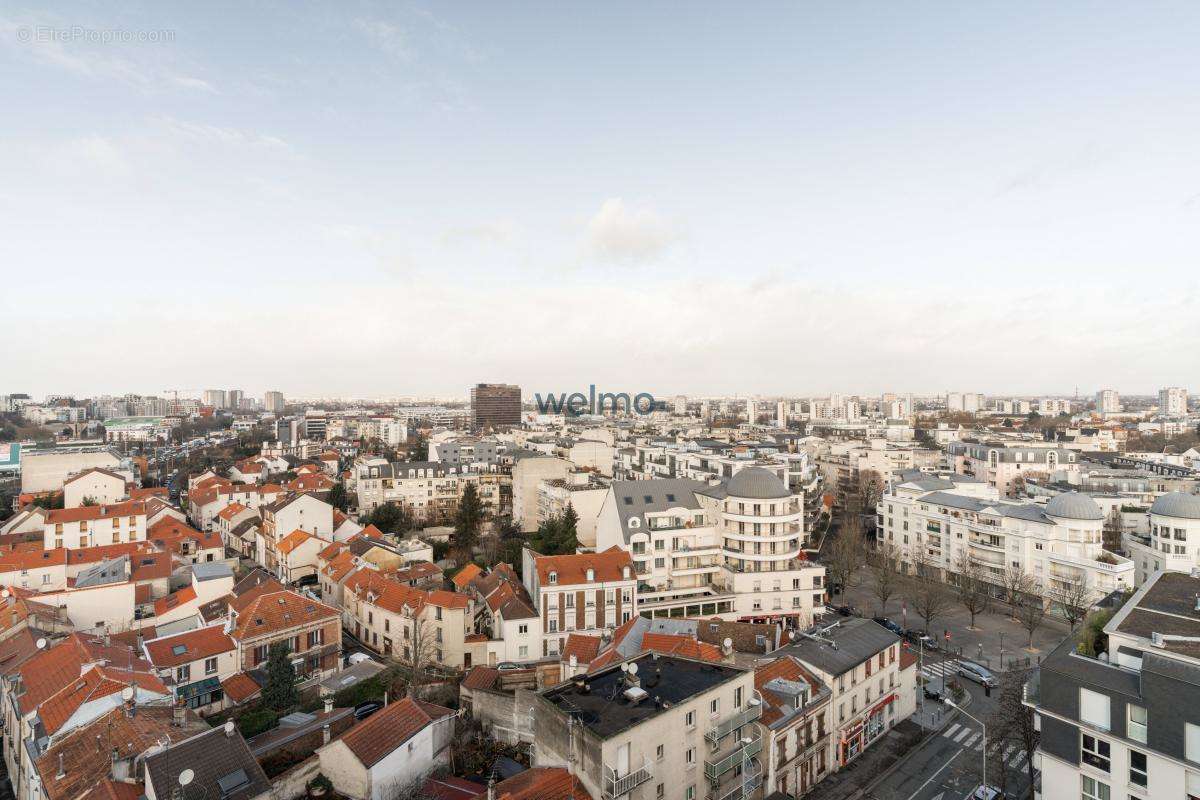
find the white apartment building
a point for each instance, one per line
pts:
(91, 526)
(1173, 402)
(582, 491)
(1173, 543)
(429, 489)
(656, 726)
(1108, 401)
(733, 550)
(1125, 722)
(999, 464)
(589, 593)
(942, 520)
(964, 402)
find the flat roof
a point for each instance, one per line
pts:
(601, 706)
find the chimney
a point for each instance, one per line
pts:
(62, 769)
(328, 704)
(180, 714)
(385, 699)
(325, 732)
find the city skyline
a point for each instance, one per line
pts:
(917, 192)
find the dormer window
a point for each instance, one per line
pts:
(625, 573)
(591, 574)
(552, 577)
(634, 522)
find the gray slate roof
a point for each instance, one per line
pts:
(856, 640)
(223, 766)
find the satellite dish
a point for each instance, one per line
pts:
(127, 693)
(624, 667)
(229, 726)
(728, 643)
(633, 669)
(186, 777)
(4, 594)
(41, 644)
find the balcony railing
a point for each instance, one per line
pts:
(620, 785)
(747, 748)
(743, 787)
(750, 713)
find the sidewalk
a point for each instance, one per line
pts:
(853, 780)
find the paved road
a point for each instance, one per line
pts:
(948, 766)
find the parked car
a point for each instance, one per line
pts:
(845, 611)
(891, 626)
(917, 637)
(364, 710)
(982, 792)
(981, 675)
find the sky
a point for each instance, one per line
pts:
(370, 199)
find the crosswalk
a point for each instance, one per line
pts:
(949, 669)
(969, 738)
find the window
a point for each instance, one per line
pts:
(183, 673)
(523, 651)
(1094, 709)
(659, 791)
(689, 719)
(1094, 789)
(737, 697)
(1095, 753)
(1136, 727)
(1138, 769)
(689, 793)
(1192, 742)
(690, 757)
(553, 577)
(522, 629)
(714, 706)
(658, 754)
(210, 665)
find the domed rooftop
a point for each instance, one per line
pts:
(756, 483)
(1180, 505)
(1073, 505)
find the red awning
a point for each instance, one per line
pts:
(882, 703)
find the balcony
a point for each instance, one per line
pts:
(741, 787)
(746, 748)
(620, 785)
(750, 713)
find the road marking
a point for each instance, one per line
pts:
(961, 734)
(950, 731)
(967, 744)
(934, 775)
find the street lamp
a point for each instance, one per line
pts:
(963, 711)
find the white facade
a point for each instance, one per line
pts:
(1173, 402)
(1108, 401)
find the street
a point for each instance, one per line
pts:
(948, 765)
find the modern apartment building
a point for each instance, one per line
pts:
(1108, 401)
(999, 464)
(273, 402)
(1125, 722)
(941, 522)
(430, 490)
(1173, 402)
(1173, 540)
(733, 550)
(655, 727)
(215, 398)
(495, 406)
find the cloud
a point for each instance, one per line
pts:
(216, 134)
(619, 234)
(387, 37)
(498, 232)
(92, 155)
(198, 84)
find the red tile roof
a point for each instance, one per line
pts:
(386, 730)
(174, 600)
(196, 644)
(240, 687)
(572, 569)
(541, 783)
(480, 677)
(293, 540)
(273, 612)
(465, 575)
(583, 647)
(129, 508)
(686, 646)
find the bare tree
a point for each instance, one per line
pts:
(1012, 723)
(1017, 585)
(972, 586)
(870, 489)
(926, 593)
(1075, 598)
(1032, 612)
(884, 568)
(847, 552)
(1113, 529)
(418, 650)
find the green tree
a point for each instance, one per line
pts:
(339, 498)
(467, 520)
(419, 450)
(391, 518)
(280, 691)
